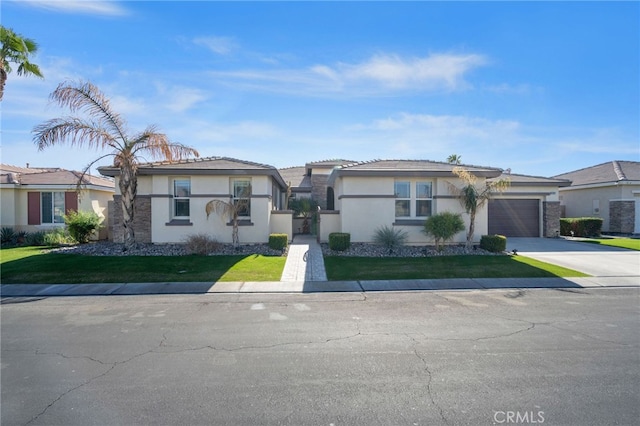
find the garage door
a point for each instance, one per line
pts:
(514, 218)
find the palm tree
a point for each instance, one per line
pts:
(231, 209)
(473, 197)
(104, 129)
(454, 159)
(16, 49)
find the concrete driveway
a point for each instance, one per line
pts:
(592, 259)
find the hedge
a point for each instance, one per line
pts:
(581, 226)
(493, 243)
(339, 241)
(278, 241)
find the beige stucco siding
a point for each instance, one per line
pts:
(8, 207)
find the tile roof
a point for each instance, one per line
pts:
(205, 163)
(528, 180)
(609, 172)
(297, 176)
(51, 176)
(413, 165)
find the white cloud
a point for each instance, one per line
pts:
(379, 75)
(219, 45)
(90, 7)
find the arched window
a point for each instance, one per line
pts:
(330, 199)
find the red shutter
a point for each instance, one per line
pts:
(33, 208)
(70, 202)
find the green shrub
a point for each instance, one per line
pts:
(8, 236)
(493, 243)
(35, 238)
(339, 241)
(202, 244)
(390, 238)
(443, 227)
(58, 237)
(581, 226)
(82, 225)
(278, 241)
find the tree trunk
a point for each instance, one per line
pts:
(472, 228)
(3, 78)
(128, 189)
(235, 239)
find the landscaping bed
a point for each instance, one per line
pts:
(374, 250)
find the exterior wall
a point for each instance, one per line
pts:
(579, 202)
(141, 219)
(622, 215)
(329, 222)
(281, 223)
(14, 205)
(153, 218)
(551, 218)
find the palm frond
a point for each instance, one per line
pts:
(158, 146)
(222, 208)
(74, 131)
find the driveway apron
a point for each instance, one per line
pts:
(592, 259)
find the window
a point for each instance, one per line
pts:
(403, 199)
(423, 199)
(413, 204)
(181, 200)
(242, 194)
(52, 207)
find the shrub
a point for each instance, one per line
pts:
(35, 238)
(8, 236)
(339, 241)
(202, 244)
(82, 225)
(58, 237)
(493, 243)
(278, 241)
(443, 227)
(581, 226)
(390, 238)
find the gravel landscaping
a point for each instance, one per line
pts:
(104, 248)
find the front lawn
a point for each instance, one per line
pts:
(627, 243)
(30, 265)
(398, 268)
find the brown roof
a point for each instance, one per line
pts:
(8, 168)
(53, 176)
(527, 180)
(609, 172)
(297, 176)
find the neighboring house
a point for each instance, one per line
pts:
(610, 191)
(404, 193)
(35, 199)
(354, 197)
(171, 200)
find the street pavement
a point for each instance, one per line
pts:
(466, 357)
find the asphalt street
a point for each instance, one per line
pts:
(538, 356)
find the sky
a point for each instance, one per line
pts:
(541, 88)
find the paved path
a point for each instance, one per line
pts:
(304, 261)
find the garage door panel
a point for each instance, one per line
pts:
(514, 218)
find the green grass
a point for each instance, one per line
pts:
(30, 265)
(627, 243)
(366, 268)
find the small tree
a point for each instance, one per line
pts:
(473, 197)
(443, 227)
(232, 209)
(304, 207)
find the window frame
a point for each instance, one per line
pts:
(402, 198)
(235, 196)
(412, 197)
(178, 198)
(52, 207)
(419, 198)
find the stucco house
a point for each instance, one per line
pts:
(354, 197)
(171, 200)
(609, 190)
(35, 199)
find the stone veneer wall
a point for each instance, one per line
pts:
(622, 216)
(551, 218)
(141, 220)
(319, 190)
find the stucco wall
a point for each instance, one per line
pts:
(8, 208)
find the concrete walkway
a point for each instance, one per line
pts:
(304, 261)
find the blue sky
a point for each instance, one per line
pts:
(539, 87)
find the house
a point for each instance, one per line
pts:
(609, 190)
(354, 197)
(35, 199)
(171, 199)
(404, 193)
